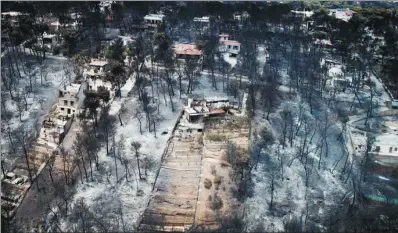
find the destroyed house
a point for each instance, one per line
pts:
(54, 129)
(196, 110)
(96, 75)
(70, 99)
(49, 41)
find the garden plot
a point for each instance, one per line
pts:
(216, 199)
(179, 176)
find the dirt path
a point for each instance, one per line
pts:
(173, 203)
(180, 199)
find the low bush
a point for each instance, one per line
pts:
(218, 179)
(213, 170)
(217, 203)
(217, 182)
(207, 183)
(200, 139)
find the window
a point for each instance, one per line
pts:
(395, 149)
(68, 110)
(236, 47)
(62, 109)
(229, 46)
(65, 102)
(91, 87)
(390, 149)
(71, 103)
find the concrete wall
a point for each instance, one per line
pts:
(94, 83)
(66, 129)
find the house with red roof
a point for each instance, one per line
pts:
(230, 46)
(188, 51)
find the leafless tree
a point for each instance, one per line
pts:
(66, 158)
(81, 217)
(68, 70)
(139, 117)
(43, 72)
(115, 158)
(148, 164)
(192, 73)
(287, 122)
(25, 141)
(78, 148)
(135, 147)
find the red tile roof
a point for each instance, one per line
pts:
(230, 42)
(216, 111)
(186, 49)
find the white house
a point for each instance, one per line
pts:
(344, 14)
(126, 40)
(205, 20)
(230, 46)
(304, 14)
(240, 17)
(96, 73)
(394, 103)
(223, 37)
(50, 41)
(56, 25)
(385, 145)
(153, 19)
(12, 17)
(71, 99)
(97, 67)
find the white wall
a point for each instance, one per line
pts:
(389, 150)
(94, 83)
(71, 103)
(232, 48)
